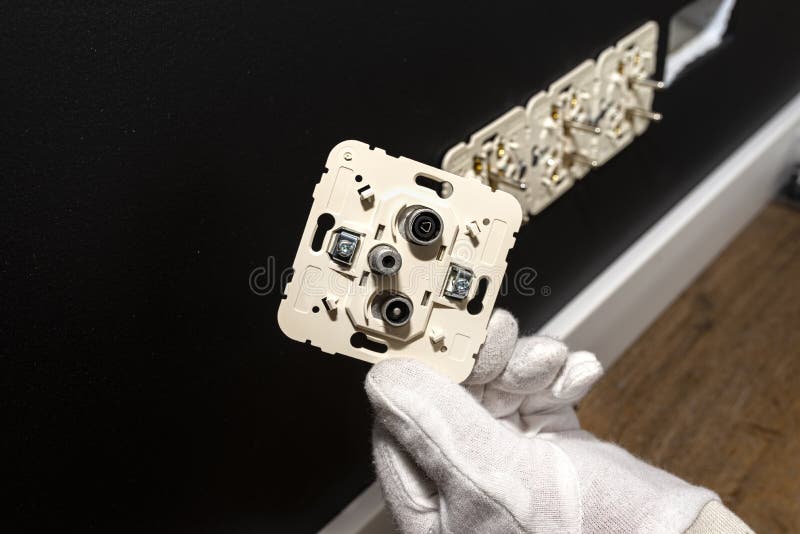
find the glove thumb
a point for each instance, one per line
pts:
(440, 425)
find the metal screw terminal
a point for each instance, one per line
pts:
(344, 246)
(459, 282)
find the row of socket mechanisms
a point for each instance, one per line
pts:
(536, 153)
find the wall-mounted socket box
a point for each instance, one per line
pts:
(398, 258)
(498, 155)
(562, 135)
(579, 123)
(625, 90)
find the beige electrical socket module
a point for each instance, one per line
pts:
(399, 259)
(580, 122)
(625, 90)
(497, 155)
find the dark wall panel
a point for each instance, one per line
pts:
(155, 153)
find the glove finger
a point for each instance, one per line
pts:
(501, 337)
(412, 498)
(533, 365)
(501, 403)
(579, 373)
(445, 431)
(557, 420)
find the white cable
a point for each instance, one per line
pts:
(708, 39)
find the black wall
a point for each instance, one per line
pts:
(153, 154)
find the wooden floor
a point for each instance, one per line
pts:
(711, 391)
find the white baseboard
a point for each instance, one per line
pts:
(612, 311)
(617, 306)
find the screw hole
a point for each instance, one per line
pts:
(486, 222)
(315, 309)
(359, 177)
(444, 348)
(360, 340)
(443, 189)
(324, 223)
(475, 306)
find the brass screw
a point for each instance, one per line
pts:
(554, 113)
(574, 101)
(477, 165)
(501, 150)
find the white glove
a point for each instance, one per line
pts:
(506, 454)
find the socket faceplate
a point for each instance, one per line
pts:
(342, 307)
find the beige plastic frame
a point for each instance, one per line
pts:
(326, 303)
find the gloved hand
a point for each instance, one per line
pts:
(505, 453)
